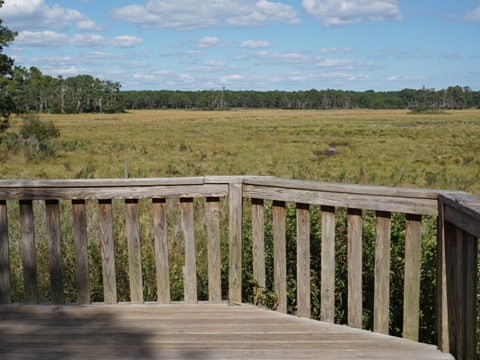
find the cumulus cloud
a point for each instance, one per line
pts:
(89, 40)
(255, 44)
(126, 41)
(343, 12)
(36, 14)
(191, 14)
(41, 39)
(474, 15)
(208, 42)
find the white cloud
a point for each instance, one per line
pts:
(140, 64)
(36, 14)
(126, 41)
(140, 76)
(208, 42)
(255, 44)
(230, 78)
(41, 39)
(191, 14)
(187, 78)
(474, 15)
(88, 25)
(342, 12)
(339, 63)
(88, 40)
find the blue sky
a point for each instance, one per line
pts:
(251, 44)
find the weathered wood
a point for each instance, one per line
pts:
(235, 243)
(471, 315)
(190, 269)
(460, 291)
(382, 273)
(161, 250)
(54, 251)
(303, 260)
(463, 220)
(134, 251)
(79, 212)
(105, 193)
(327, 273)
(28, 252)
(5, 286)
(413, 258)
(258, 244)
(422, 206)
(108, 253)
(280, 255)
(355, 308)
(212, 206)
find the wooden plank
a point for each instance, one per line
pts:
(105, 193)
(5, 286)
(212, 206)
(190, 269)
(54, 251)
(108, 253)
(235, 243)
(413, 258)
(28, 252)
(463, 220)
(460, 289)
(79, 212)
(471, 315)
(327, 273)
(161, 250)
(303, 260)
(134, 251)
(420, 206)
(355, 308)
(382, 273)
(465, 204)
(258, 244)
(280, 254)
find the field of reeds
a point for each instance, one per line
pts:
(394, 148)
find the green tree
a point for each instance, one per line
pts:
(7, 104)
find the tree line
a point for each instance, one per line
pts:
(454, 97)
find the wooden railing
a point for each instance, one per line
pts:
(457, 246)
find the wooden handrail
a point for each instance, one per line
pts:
(457, 246)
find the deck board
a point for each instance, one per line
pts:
(178, 331)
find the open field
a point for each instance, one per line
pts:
(390, 147)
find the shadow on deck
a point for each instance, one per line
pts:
(154, 331)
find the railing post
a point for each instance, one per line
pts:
(235, 196)
(5, 288)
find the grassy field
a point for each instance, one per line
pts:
(391, 147)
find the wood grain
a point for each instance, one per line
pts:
(235, 221)
(54, 251)
(355, 308)
(471, 315)
(212, 207)
(108, 253)
(28, 252)
(134, 251)
(190, 269)
(280, 255)
(382, 273)
(413, 258)
(303, 260)
(258, 244)
(5, 285)
(79, 213)
(161, 250)
(327, 273)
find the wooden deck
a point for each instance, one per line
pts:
(181, 331)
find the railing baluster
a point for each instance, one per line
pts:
(303, 260)
(161, 250)
(134, 251)
(81, 251)
(471, 316)
(5, 286)
(55, 253)
(190, 269)
(280, 255)
(413, 259)
(108, 254)
(354, 230)
(382, 273)
(235, 197)
(327, 273)
(214, 260)
(258, 244)
(28, 252)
